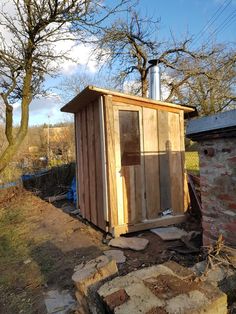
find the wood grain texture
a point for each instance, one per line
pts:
(91, 93)
(133, 102)
(176, 167)
(182, 149)
(160, 222)
(99, 175)
(92, 164)
(111, 161)
(151, 162)
(85, 164)
(119, 171)
(80, 166)
(164, 159)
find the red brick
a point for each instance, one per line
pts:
(231, 227)
(232, 159)
(226, 197)
(115, 299)
(219, 166)
(232, 206)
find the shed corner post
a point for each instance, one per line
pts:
(104, 160)
(77, 159)
(109, 151)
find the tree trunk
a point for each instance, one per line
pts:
(14, 144)
(144, 84)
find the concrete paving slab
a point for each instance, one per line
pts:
(59, 302)
(133, 243)
(117, 255)
(169, 233)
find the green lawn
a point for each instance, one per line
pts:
(192, 162)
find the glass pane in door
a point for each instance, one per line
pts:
(129, 137)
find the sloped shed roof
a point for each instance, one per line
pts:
(91, 93)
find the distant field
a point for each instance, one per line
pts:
(192, 161)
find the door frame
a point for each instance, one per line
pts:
(119, 184)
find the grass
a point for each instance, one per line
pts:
(17, 277)
(192, 162)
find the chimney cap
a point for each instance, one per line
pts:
(154, 62)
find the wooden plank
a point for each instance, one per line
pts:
(126, 192)
(160, 222)
(151, 162)
(99, 171)
(133, 201)
(104, 159)
(85, 164)
(164, 156)
(139, 192)
(119, 101)
(132, 172)
(111, 162)
(182, 149)
(176, 167)
(121, 186)
(80, 166)
(92, 164)
(91, 93)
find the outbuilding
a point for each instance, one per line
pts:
(130, 160)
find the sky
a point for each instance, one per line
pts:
(205, 20)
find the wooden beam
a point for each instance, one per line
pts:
(149, 224)
(121, 101)
(91, 93)
(111, 161)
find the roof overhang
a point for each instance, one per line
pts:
(91, 93)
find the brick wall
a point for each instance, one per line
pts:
(218, 189)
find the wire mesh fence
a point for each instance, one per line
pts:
(192, 162)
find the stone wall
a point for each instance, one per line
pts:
(218, 189)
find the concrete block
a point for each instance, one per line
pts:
(92, 272)
(160, 289)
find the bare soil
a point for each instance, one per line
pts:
(40, 245)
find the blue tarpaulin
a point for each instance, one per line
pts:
(71, 194)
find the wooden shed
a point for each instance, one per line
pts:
(130, 160)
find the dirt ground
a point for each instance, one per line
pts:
(40, 245)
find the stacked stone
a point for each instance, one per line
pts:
(87, 279)
(218, 189)
(163, 289)
(216, 135)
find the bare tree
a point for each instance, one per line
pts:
(131, 43)
(209, 82)
(28, 51)
(204, 78)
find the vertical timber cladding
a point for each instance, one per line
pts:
(171, 150)
(151, 162)
(91, 191)
(79, 156)
(111, 162)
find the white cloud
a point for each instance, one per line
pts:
(43, 109)
(80, 54)
(77, 53)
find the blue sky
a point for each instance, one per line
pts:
(179, 16)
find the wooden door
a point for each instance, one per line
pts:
(151, 156)
(129, 164)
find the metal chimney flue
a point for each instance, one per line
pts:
(155, 80)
